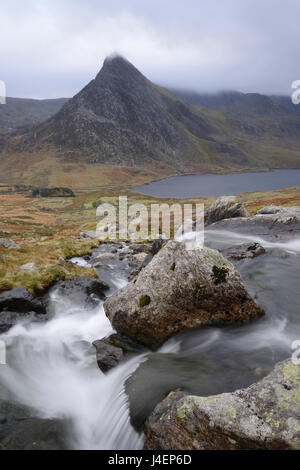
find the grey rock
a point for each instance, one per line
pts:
(283, 225)
(226, 207)
(244, 251)
(28, 267)
(21, 301)
(262, 416)
(270, 210)
(140, 257)
(9, 319)
(125, 343)
(104, 256)
(89, 234)
(140, 247)
(112, 350)
(8, 244)
(85, 289)
(180, 289)
(108, 356)
(20, 429)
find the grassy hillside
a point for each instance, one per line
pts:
(20, 113)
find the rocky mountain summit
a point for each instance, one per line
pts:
(123, 119)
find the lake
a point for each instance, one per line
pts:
(187, 186)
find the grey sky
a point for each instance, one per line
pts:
(52, 48)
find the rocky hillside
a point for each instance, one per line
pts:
(121, 127)
(264, 117)
(20, 113)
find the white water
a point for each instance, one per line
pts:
(52, 370)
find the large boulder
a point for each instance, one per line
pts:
(180, 289)
(226, 207)
(271, 223)
(262, 416)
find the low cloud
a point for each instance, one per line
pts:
(53, 48)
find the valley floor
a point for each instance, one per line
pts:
(47, 230)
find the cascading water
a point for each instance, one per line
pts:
(52, 367)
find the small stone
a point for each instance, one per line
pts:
(140, 257)
(8, 244)
(108, 356)
(28, 267)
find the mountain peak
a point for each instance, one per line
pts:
(117, 65)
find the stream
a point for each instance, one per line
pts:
(52, 369)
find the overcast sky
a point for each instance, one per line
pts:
(52, 48)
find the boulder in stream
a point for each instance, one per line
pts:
(107, 355)
(226, 207)
(262, 416)
(244, 251)
(112, 350)
(274, 224)
(180, 289)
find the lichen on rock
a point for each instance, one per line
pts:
(203, 289)
(265, 415)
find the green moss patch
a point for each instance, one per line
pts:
(144, 300)
(220, 274)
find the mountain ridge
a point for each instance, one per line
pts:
(124, 122)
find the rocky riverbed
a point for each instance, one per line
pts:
(219, 321)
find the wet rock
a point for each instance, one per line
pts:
(103, 257)
(283, 225)
(155, 248)
(180, 289)
(244, 251)
(226, 207)
(262, 416)
(112, 350)
(85, 289)
(8, 244)
(9, 319)
(28, 267)
(140, 247)
(108, 356)
(21, 301)
(21, 430)
(125, 343)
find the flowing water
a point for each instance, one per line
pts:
(52, 368)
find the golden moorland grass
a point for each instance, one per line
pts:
(47, 229)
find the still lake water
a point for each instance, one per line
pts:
(220, 185)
